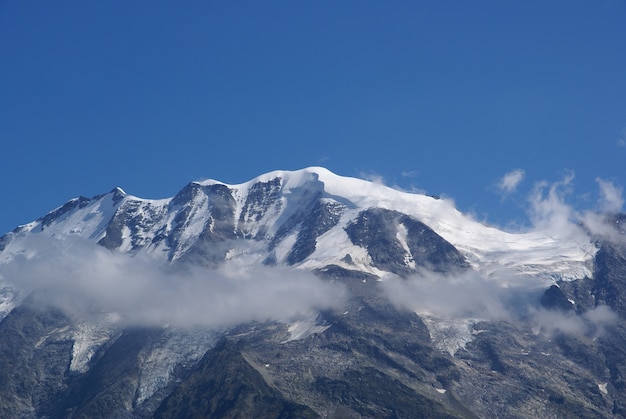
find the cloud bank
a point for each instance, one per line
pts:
(82, 278)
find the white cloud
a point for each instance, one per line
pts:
(466, 295)
(549, 211)
(372, 177)
(598, 225)
(592, 322)
(511, 181)
(611, 196)
(610, 202)
(81, 278)
(457, 298)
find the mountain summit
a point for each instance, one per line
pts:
(306, 294)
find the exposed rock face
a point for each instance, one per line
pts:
(33, 362)
(226, 385)
(400, 244)
(553, 353)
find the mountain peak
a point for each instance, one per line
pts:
(118, 190)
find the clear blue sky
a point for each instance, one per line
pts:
(441, 96)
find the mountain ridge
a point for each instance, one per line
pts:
(250, 218)
(304, 293)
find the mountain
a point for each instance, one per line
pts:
(307, 294)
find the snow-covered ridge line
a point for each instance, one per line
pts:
(261, 207)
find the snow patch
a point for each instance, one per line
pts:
(302, 329)
(449, 335)
(176, 348)
(402, 236)
(88, 338)
(284, 247)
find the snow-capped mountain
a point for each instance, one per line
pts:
(301, 218)
(306, 294)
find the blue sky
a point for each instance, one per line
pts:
(445, 97)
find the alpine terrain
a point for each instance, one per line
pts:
(303, 294)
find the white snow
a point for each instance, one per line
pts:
(402, 238)
(9, 298)
(602, 388)
(304, 328)
(284, 247)
(176, 348)
(449, 335)
(488, 249)
(88, 338)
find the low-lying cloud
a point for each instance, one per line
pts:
(82, 278)
(592, 322)
(465, 295)
(472, 296)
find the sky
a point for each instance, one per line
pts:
(482, 102)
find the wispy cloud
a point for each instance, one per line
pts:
(372, 177)
(600, 223)
(510, 181)
(410, 173)
(548, 208)
(81, 278)
(467, 295)
(473, 296)
(611, 196)
(621, 142)
(592, 322)
(550, 212)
